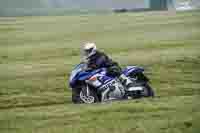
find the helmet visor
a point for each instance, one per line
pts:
(87, 52)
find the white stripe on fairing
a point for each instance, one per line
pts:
(131, 70)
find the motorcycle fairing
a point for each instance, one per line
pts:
(78, 74)
(97, 80)
(132, 69)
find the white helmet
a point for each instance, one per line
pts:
(89, 49)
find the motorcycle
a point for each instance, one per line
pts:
(92, 86)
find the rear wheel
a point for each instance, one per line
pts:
(142, 80)
(148, 91)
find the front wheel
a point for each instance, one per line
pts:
(84, 95)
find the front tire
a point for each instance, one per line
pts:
(79, 96)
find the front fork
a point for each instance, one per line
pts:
(85, 95)
(87, 90)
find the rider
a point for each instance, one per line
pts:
(96, 59)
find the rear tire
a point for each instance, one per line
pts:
(148, 91)
(143, 80)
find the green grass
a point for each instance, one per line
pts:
(38, 53)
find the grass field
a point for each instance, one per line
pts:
(38, 53)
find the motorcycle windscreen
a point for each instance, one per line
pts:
(75, 74)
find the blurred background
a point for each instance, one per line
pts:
(63, 7)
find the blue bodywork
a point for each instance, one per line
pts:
(79, 73)
(132, 69)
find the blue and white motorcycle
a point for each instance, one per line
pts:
(95, 86)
